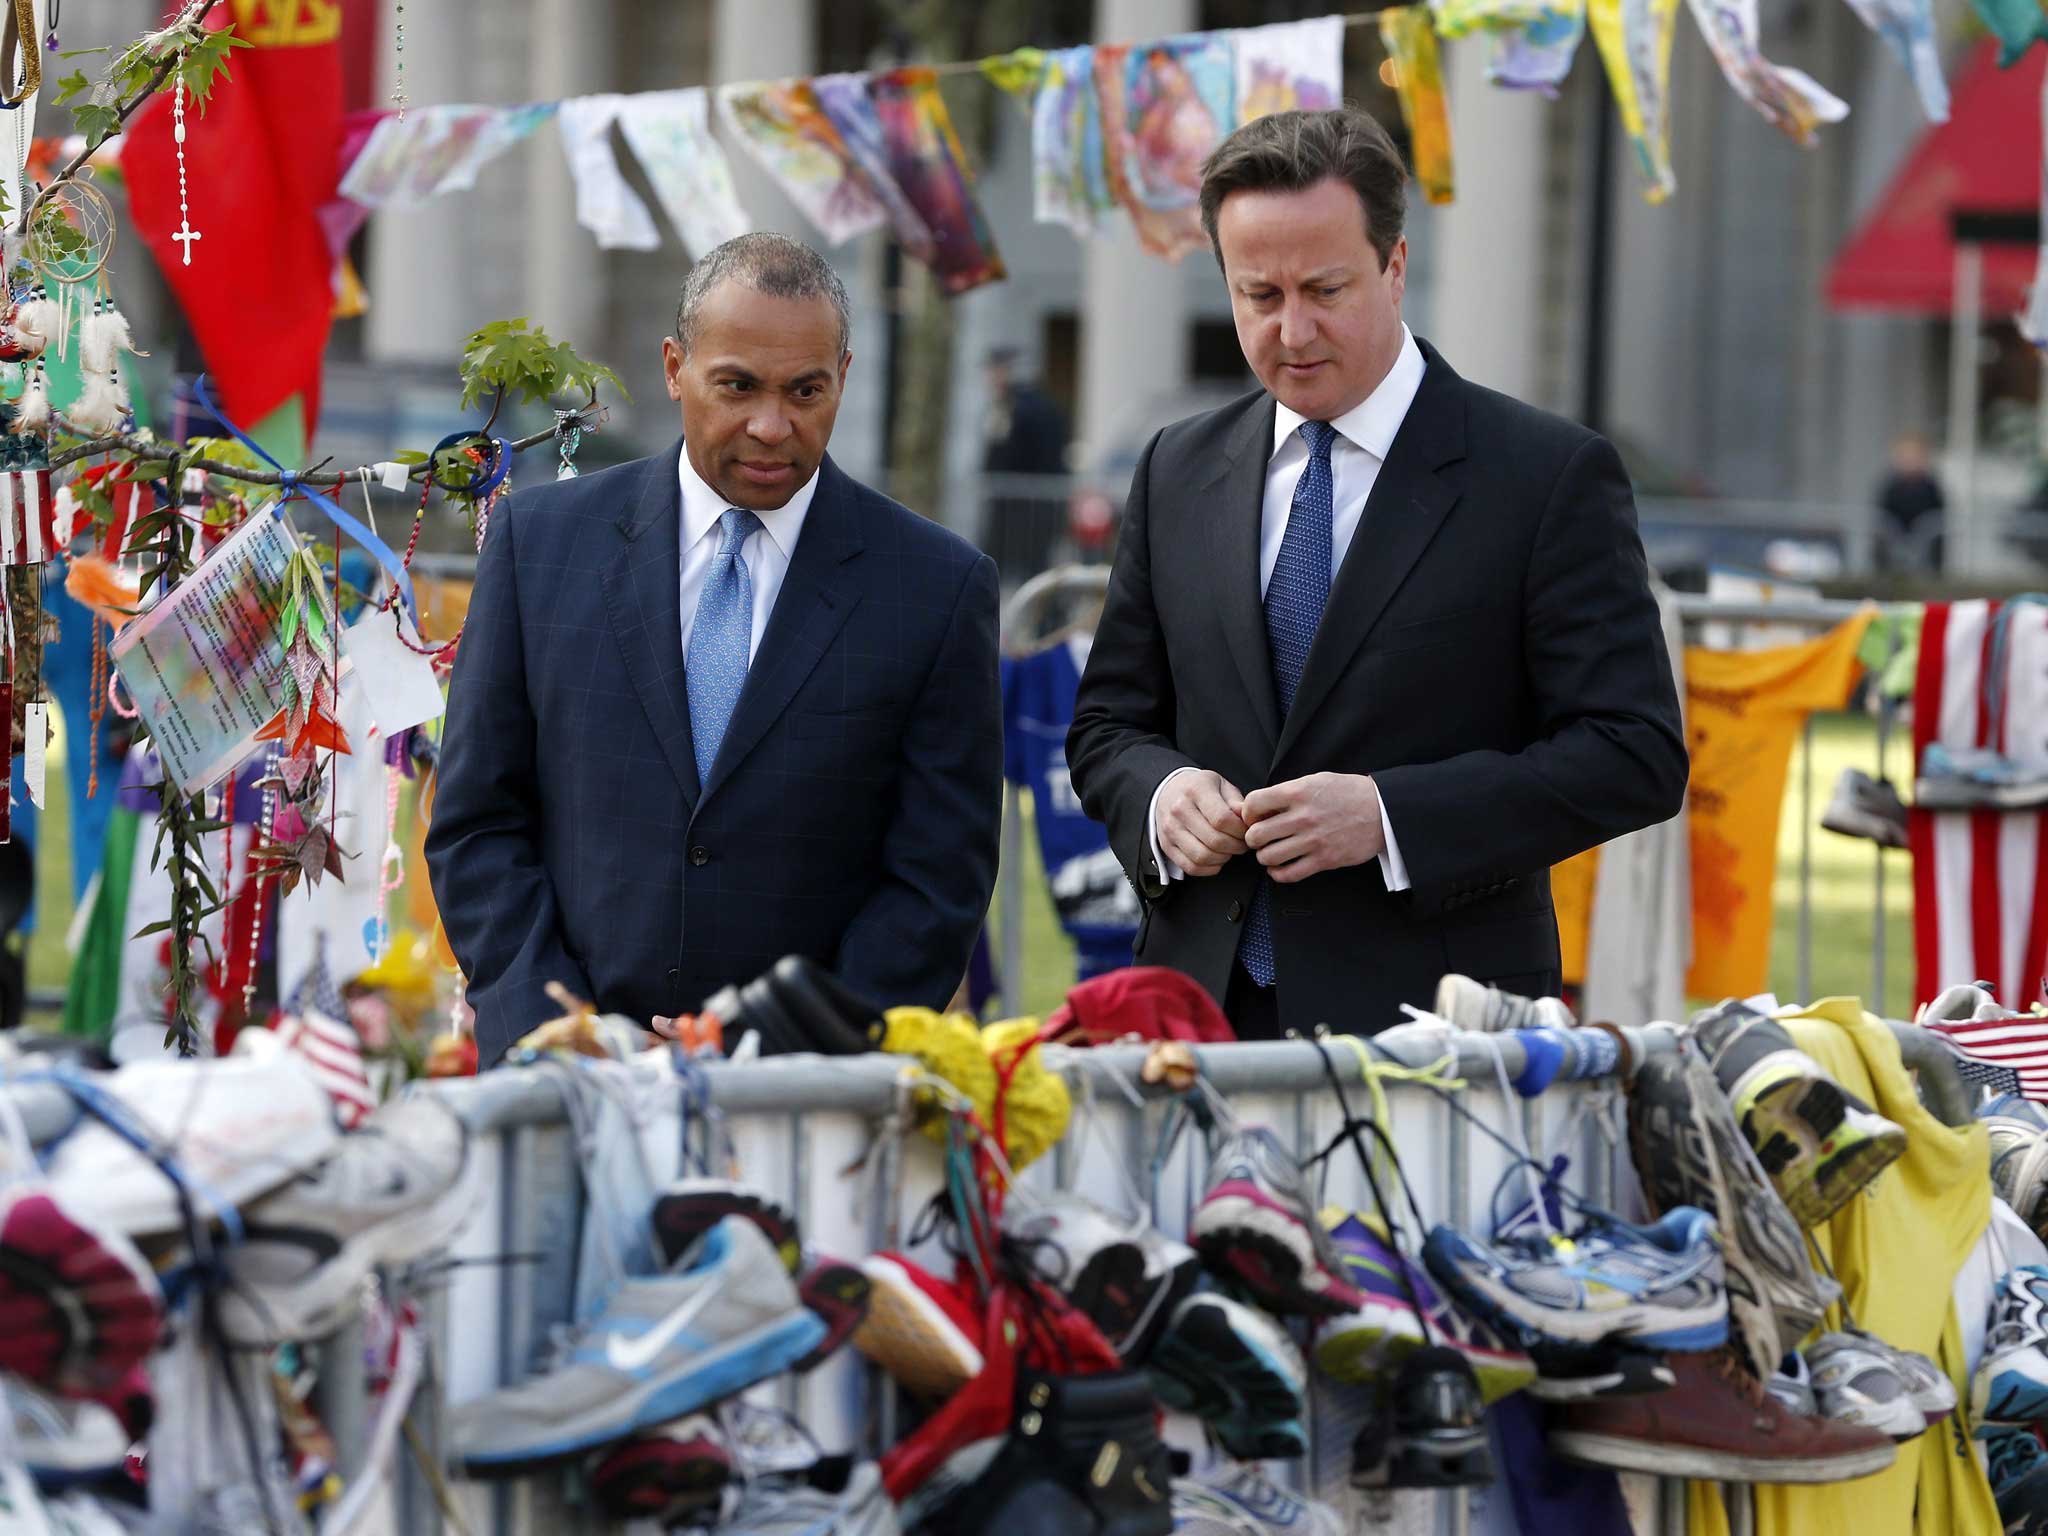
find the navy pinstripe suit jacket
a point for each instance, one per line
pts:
(852, 814)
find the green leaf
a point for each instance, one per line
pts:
(154, 929)
(206, 58)
(83, 53)
(149, 469)
(96, 122)
(71, 87)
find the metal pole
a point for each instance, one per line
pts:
(1806, 862)
(1010, 891)
(1966, 318)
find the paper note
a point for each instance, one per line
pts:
(35, 741)
(398, 682)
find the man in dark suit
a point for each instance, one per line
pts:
(1379, 646)
(723, 704)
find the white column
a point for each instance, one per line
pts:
(416, 276)
(1487, 295)
(569, 54)
(1134, 311)
(764, 40)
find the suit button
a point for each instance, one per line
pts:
(700, 855)
(1236, 911)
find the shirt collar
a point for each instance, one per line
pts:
(703, 507)
(1372, 423)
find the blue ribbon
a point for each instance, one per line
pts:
(347, 522)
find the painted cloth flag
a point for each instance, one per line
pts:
(605, 205)
(1907, 27)
(27, 508)
(1410, 39)
(1066, 143)
(1635, 44)
(1789, 100)
(1291, 66)
(669, 133)
(927, 164)
(2017, 24)
(2004, 1055)
(1539, 56)
(781, 126)
(1017, 72)
(435, 149)
(1980, 902)
(1461, 18)
(845, 101)
(1160, 118)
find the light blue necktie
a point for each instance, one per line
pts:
(716, 666)
(1295, 598)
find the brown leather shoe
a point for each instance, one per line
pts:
(1716, 1422)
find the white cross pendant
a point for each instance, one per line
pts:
(185, 236)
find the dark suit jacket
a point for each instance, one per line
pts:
(851, 816)
(1490, 655)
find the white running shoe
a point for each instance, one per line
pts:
(1856, 1383)
(1472, 1004)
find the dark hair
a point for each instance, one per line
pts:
(1293, 151)
(767, 263)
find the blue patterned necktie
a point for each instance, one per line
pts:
(1295, 598)
(716, 665)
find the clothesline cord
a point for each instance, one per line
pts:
(973, 66)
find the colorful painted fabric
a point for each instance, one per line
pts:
(1291, 66)
(1461, 18)
(2015, 23)
(1635, 44)
(1788, 99)
(844, 99)
(1164, 106)
(669, 133)
(1410, 40)
(1017, 72)
(1066, 143)
(1907, 26)
(782, 127)
(435, 149)
(926, 162)
(1537, 57)
(605, 204)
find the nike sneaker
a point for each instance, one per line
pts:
(688, 1208)
(1238, 1371)
(2018, 1471)
(1688, 1152)
(663, 1347)
(667, 1473)
(2011, 1381)
(1658, 1287)
(918, 1328)
(1124, 1275)
(1472, 1004)
(1241, 1500)
(393, 1192)
(1371, 1342)
(1819, 1143)
(80, 1308)
(1256, 1225)
(1856, 1384)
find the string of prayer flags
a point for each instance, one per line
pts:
(1907, 27)
(435, 149)
(1461, 18)
(1018, 72)
(781, 126)
(845, 101)
(925, 160)
(2015, 23)
(1788, 99)
(1410, 41)
(1537, 57)
(605, 205)
(1634, 37)
(669, 133)
(1067, 183)
(1290, 66)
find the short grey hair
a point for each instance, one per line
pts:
(767, 263)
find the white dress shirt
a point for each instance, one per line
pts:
(765, 553)
(1365, 433)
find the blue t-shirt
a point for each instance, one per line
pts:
(1096, 904)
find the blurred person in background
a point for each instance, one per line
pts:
(1910, 507)
(1023, 434)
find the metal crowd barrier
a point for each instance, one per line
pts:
(809, 1130)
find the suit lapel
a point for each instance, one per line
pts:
(1409, 502)
(643, 592)
(1233, 533)
(809, 611)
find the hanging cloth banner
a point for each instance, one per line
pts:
(1635, 44)
(1788, 99)
(782, 127)
(1164, 107)
(1066, 143)
(1410, 41)
(1907, 26)
(1539, 56)
(2016, 24)
(1016, 72)
(1291, 66)
(669, 133)
(435, 149)
(926, 163)
(1461, 18)
(846, 104)
(605, 204)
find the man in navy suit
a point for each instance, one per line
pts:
(723, 704)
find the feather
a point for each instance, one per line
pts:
(32, 411)
(99, 406)
(63, 513)
(39, 316)
(102, 337)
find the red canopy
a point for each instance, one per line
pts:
(1986, 159)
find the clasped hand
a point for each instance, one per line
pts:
(1299, 828)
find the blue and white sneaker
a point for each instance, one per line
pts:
(664, 1346)
(1238, 1371)
(1242, 1501)
(2011, 1384)
(1658, 1287)
(1975, 779)
(2018, 1471)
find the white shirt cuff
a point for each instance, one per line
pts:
(1393, 868)
(1168, 870)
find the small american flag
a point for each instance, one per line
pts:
(2008, 1055)
(27, 508)
(315, 1025)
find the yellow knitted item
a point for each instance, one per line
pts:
(1036, 1108)
(951, 1047)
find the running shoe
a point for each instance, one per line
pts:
(80, 1309)
(688, 1208)
(1126, 1276)
(1659, 1287)
(65, 1443)
(1433, 1434)
(1687, 1151)
(1866, 807)
(2018, 1472)
(392, 1193)
(1472, 1004)
(1820, 1144)
(1238, 1371)
(1241, 1500)
(663, 1347)
(669, 1471)
(1792, 1385)
(777, 1508)
(1964, 1000)
(837, 1295)
(1926, 1383)
(1256, 1225)
(1856, 1384)
(2019, 1157)
(1605, 1370)
(918, 1328)
(2011, 1382)
(1371, 1342)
